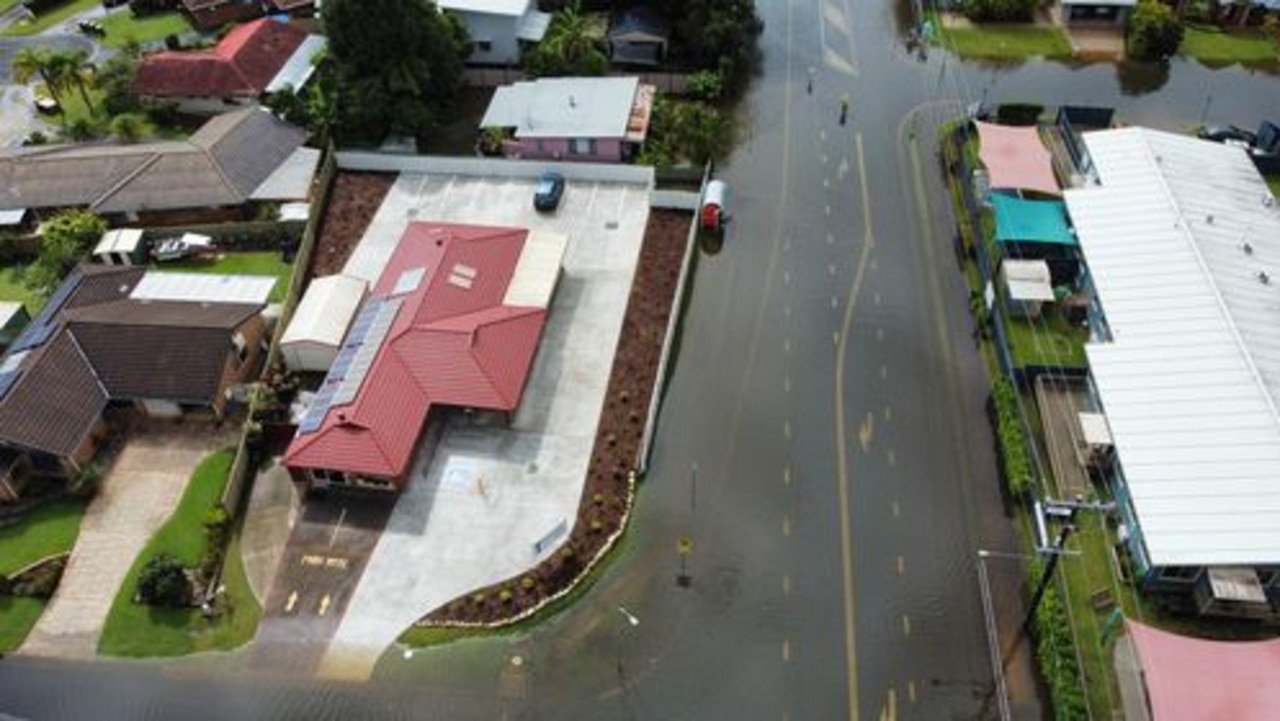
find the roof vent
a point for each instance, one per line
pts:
(572, 103)
(1248, 249)
(1263, 278)
(1209, 219)
(462, 276)
(1268, 200)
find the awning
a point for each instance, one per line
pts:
(533, 26)
(1031, 221)
(1027, 279)
(1016, 159)
(1190, 679)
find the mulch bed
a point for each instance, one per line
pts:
(603, 506)
(352, 203)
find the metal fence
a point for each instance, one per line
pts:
(492, 167)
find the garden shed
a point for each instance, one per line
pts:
(1028, 285)
(318, 326)
(120, 246)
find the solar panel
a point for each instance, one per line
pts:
(39, 330)
(368, 350)
(318, 409)
(347, 359)
(409, 280)
(7, 380)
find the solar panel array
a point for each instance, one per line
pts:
(352, 362)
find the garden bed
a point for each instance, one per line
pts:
(354, 200)
(606, 496)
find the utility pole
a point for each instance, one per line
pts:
(1059, 545)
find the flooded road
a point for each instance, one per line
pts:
(822, 448)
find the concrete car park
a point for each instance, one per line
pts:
(488, 501)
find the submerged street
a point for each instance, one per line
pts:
(823, 454)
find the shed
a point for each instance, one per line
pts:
(1027, 282)
(318, 326)
(120, 246)
(638, 37)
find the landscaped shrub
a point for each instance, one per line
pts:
(164, 582)
(39, 581)
(999, 10)
(1014, 458)
(217, 529)
(1018, 113)
(1056, 655)
(1155, 31)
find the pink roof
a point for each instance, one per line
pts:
(448, 344)
(1193, 679)
(242, 64)
(1016, 159)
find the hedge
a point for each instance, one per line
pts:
(1013, 443)
(1056, 655)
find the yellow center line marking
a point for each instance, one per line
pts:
(893, 704)
(842, 457)
(786, 585)
(786, 525)
(906, 625)
(786, 384)
(866, 432)
(897, 510)
(786, 650)
(876, 298)
(827, 209)
(902, 566)
(892, 457)
(911, 691)
(786, 429)
(786, 277)
(884, 372)
(786, 345)
(786, 475)
(835, 302)
(888, 413)
(880, 334)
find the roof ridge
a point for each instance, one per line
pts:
(106, 195)
(75, 343)
(217, 166)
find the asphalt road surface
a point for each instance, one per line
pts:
(822, 447)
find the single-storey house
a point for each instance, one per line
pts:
(256, 58)
(320, 322)
(213, 175)
(1182, 242)
(638, 37)
(212, 14)
(499, 29)
(582, 119)
(455, 320)
(118, 337)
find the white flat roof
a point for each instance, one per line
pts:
(8, 309)
(564, 107)
(204, 287)
(298, 68)
(1176, 238)
(490, 7)
(291, 180)
(1027, 279)
(537, 270)
(12, 217)
(119, 240)
(325, 311)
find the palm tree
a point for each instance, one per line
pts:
(75, 68)
(571, 42)
(32, 61)
(130, 127)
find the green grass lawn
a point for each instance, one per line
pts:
(1049, 341)
(13, 289)
(1213, 46)
(17, 616)
(73, 107)
(123, 27)
(255, 263)
(138, 630)
(49, 530)
(1006, 42)
(51, 18)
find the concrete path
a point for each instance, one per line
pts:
(479, 504)
(272, 509)
(137, 496)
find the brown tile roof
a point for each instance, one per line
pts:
(241, 65)
(55, 403)
(221, 164)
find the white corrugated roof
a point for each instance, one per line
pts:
(1175, 239)
(291, 180)
(119, 240)
(298, 68)
(537, 270)
(326, 310)
(204, 287)
(490, 7)
(1027, 279)
(533, 26)
(564, 107)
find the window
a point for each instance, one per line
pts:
(482, 46)
(1179, 573)
(584, 146)
(242, 347)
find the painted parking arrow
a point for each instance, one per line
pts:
(324, 604)
(289, 604)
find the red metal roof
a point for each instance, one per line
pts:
(242, 64)
(452, 342)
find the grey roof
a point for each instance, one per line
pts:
(221, 164)
(55, 403)
(639, 21)
(564, 107)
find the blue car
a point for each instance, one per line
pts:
(548, 191)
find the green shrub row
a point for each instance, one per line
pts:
(1013, 444)
(1056, 656)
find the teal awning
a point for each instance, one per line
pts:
(1031, 221)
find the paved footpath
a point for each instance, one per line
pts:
(137, 496)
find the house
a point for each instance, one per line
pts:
(214, 175)
(584, 119)
(209, 15)
(638, 37)
(454, 320)
(256, 58)
(320, 322)
(1182, 243)
(499, 29)
(114, 337)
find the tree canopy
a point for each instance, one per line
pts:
(718, 35)
(396, 65)
(570, 47)
(1155, 32)
(66, 237)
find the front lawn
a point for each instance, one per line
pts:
(1215, 46)
(255, 263)
(48, 530)
(18, 614)
(134, 629)
(1048, 341)
(1006, 42)
(122, 27)
(50, 18)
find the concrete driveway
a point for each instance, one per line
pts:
(489, 502)
(137, 495)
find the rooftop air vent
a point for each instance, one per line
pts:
(1248, 249)
(1209, 219)
(1263, 278)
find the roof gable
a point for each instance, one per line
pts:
(242, 64)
